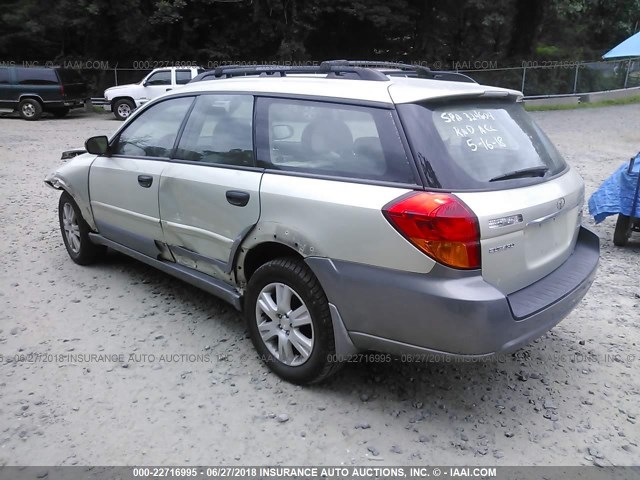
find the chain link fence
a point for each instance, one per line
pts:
(533, 78)
(562, 78)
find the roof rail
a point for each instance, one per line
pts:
(362, 69)
(406, 69)
(338, 70)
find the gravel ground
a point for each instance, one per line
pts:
(570, 398)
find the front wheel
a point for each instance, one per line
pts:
(123, 108)
(75, 232)
(623, 230)
(289, 321)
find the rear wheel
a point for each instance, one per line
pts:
(623, 230)
(123, 108)
(30, 109)
(289, 321)
(75, 232)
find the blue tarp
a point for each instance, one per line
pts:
(629, 48)
(616, 193)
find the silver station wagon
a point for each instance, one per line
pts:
(344, 208)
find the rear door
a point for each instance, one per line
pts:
(495, 159)
(124, 186)
(209, 193)
(183, 76)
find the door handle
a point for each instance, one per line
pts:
(238, 198)
(145, 180)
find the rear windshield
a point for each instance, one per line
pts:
(479, 145)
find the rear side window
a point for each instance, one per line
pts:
(332, 139)
(183, 77)
(36, 76)
(479, 145)
(219, 131)
(154, 131)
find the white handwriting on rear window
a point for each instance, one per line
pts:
(470, 116)
(468, 130)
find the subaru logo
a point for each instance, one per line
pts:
(560, 203)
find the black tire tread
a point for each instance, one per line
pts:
(316, 290)
(319, 301)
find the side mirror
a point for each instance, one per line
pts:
(97, 145)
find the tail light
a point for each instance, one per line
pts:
(440, 225)
(62, 90)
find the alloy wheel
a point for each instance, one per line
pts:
(284, 323)
(71, 227)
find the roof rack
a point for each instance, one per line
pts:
(361, 69)
(406, 70)
(333, 69)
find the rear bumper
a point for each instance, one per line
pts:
(74, 103)
(65, 103)
(450, 312)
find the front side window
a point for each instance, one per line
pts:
(219, 131)
(334, 139)
(183, 77)
(154, 131)
(159, 78)
(479, 145)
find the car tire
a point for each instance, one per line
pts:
(123, 108)
(60, 112)
(30, 109)
(75, 232)
(623, 230)
(299, 348)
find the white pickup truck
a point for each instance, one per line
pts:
(124, 99)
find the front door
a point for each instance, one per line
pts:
(124, 186)
(156, 84)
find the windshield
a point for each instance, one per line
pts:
(479, 145)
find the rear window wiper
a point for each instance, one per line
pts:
(525, 172)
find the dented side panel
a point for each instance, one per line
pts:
(334, 219)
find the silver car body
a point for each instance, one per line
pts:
(384, 293)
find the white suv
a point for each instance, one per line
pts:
(344, 210)
(122, 100)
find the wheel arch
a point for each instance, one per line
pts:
(122, 97)
(250, 259)
(32, 96)
(266, 241)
